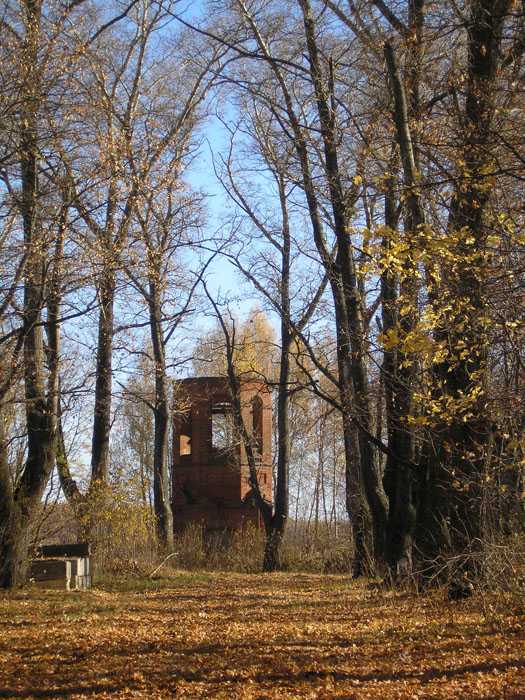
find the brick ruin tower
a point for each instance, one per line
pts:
(210, 468)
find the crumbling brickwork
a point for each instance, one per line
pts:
(210, 470)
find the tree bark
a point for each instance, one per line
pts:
(337, 285)
(277, 523)
(41, 396)
(6, 506)
(451, 522)
(353, 351)
(402, 363)
(103, 384)
(161, 480)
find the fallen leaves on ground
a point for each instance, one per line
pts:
(258, 636)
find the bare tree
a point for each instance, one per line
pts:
(149, 136)
(270, 273)
(39, 268)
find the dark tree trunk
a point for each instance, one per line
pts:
(351, 360)
(161, 480)
(353, 351)
(451, 522)
(19, 506)
(7, 568)
(403, 364)
(277, 523)
(67, 482)
(103, 384)
(398, 475)
(357, 505)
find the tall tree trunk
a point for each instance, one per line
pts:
(103, 384)
(68, 484)
(337, 285)
(403, 363)
(161, 480)
(356, 504)
(355, 359)
(40, 396)
(277, 524)
(452, 521)
(6, 503)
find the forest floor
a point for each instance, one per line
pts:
(258, 636)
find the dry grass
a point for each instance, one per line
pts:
(258, 636)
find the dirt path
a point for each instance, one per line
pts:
(234, 636)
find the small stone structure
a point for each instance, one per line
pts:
(62, 566)
(210, 468)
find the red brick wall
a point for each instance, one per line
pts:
(208, 489)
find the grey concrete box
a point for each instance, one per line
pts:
(65, 573)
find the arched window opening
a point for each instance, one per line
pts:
(257, 425)
(222, 427)
(185, 435)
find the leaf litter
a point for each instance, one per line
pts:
(259, 636)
